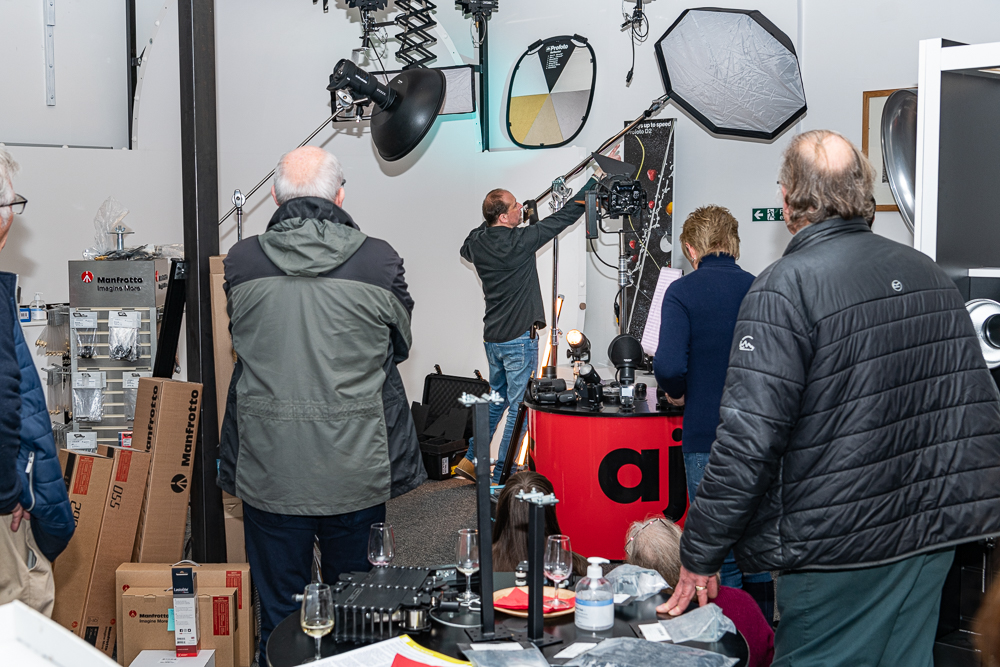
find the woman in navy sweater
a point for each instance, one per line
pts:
(696, 334)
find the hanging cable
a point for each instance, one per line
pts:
(598, 256)
(638, 26)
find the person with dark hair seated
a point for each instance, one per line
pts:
(510, 533)
(656, 544)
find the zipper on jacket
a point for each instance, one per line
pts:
(29, 469)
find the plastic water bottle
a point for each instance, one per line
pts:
(37, 307)
(595, 599)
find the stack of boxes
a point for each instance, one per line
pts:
(131, 506)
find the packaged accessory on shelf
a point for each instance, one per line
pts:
(84, 325)
(81, 441)
(130, 388)
(88, 396)
(123, 334)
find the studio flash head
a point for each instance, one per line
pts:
(579, 346)
(348, 75)
(626, 353)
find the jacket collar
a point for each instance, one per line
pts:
(315, 208)
(818, 232)
(8, 281)
(716, 261)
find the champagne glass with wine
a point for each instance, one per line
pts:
(558, 564)
(317, 614)
(468, 561)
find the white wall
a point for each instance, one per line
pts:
(90, 74)
(273, 64)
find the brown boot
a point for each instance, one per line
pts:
(466, 469)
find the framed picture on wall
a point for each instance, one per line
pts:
(871, 145)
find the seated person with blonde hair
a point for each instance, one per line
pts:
(656, 544)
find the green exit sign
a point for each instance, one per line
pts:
(766, 214)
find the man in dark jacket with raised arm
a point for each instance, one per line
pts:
(860, 431)
(504, 256)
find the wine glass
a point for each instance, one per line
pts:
(468, 561)
(558, 563)
(317, 614)
(381, 544)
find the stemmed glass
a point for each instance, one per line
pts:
(317, 614)
(468, 561)
(558, 564)
(381, 544)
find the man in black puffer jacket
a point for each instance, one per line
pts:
(859, 439)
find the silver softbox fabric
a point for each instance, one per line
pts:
(460, 91)
(733, 70)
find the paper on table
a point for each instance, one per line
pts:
(655, 632)
(384, 653)
(504, 646)
(574, 649)
(651, 334)
(621, 597)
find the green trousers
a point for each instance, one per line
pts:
(877, 616)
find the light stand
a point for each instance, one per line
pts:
(481, 10)
(238, 201)
(656, 105)
(623, 281)
(560, 195)
(405, 110)
(264, 180)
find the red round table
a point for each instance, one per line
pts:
(609, 468)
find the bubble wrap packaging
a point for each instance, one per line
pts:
(704, 624)
(627, 652)
(639, 582)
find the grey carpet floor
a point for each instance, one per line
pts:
(426, 521)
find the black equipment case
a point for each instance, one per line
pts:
(443, 424)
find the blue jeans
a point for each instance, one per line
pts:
(694, 470)
(280, 551)
(511, 364)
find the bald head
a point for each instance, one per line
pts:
(308, 172)
(824, 176)
(829, 153)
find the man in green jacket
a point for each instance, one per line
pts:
(320, 315)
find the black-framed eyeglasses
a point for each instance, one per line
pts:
(17, 205)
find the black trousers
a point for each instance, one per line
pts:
(280, 551)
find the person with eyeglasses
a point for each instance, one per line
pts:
(503, 254)
(36, 521)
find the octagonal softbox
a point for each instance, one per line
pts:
(733, 70)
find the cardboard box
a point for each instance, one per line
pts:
(146, 621)
(131, 576)
(232, 511)
(166, 426)
(206, 658)
(123, 501)
(225, 356)
(87, 477)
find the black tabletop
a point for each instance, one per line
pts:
(289, 646)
